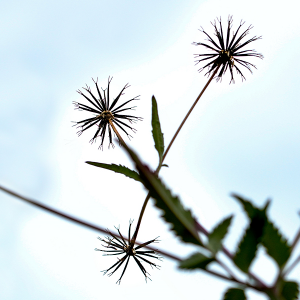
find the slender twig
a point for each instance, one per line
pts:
(225, 277)
(293, 246)
(291, 267)
(283, 270)
(230, 256)
(296, 240)
(84, 223)
(140, 219)
(258, 280)
(189, 112)
(214, 273)
(80, 221)
(103, 230)
(226, 269)
(168, 148)
(116, 131)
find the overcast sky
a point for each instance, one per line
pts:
(241, 138)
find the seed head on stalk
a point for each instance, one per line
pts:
(117, 246)
(106, 113)
(227, 51)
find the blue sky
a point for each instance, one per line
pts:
(241, 138)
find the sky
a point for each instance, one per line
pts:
(241, 138)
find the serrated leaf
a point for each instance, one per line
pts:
(196, 261)
(249, 208)
(234, 294)
(182, 222)
(275, 244)
(158, 136)
(290, 290)
(248, 246)
(118, 169)
(218, 234)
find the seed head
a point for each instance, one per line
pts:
(227, 51)
(119, 246)
(106, 114)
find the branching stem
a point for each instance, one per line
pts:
(230, 256)
(80, 221)
(167, 150)
(216, 274)
(291, 267)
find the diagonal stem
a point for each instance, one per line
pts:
(291, 267)
(100, 229)
(200, 227)
(116, 131)
(189, 112)
(230, 256)
(80, 221)
(296, 240)
(167, 150)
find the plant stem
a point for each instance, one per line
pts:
(230, 256)
(79, 221)
(226, 269)
(167, 150)
(140, 220)
(189, 112)
(291, 267)
(216, 274)
(296, 240)
(102, 230)
(116, 131)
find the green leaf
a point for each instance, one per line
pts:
(217, 235)
(290, 290)
(248, 246)
(275, 244)
(156, 131)
(118, 169)
(196, 261)
(249, 208)
(234, 294)
(181, 219)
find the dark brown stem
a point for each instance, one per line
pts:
(116, 131)
(285, 271)
(230, 256)
(167, 150)
(216, 274)
(226, 269)
(296, 240)
(81, 222)
(189, 112)
(291, 267)
(105, 231)
(140, 220)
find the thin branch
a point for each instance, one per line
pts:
(291, 267)
(231, 279)
(140, 219)
(189, 112)
(227, 269)
(116, 131)
(296, 240)
(230, 256)
(80, 222)
(168, 148)
(106, 231)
